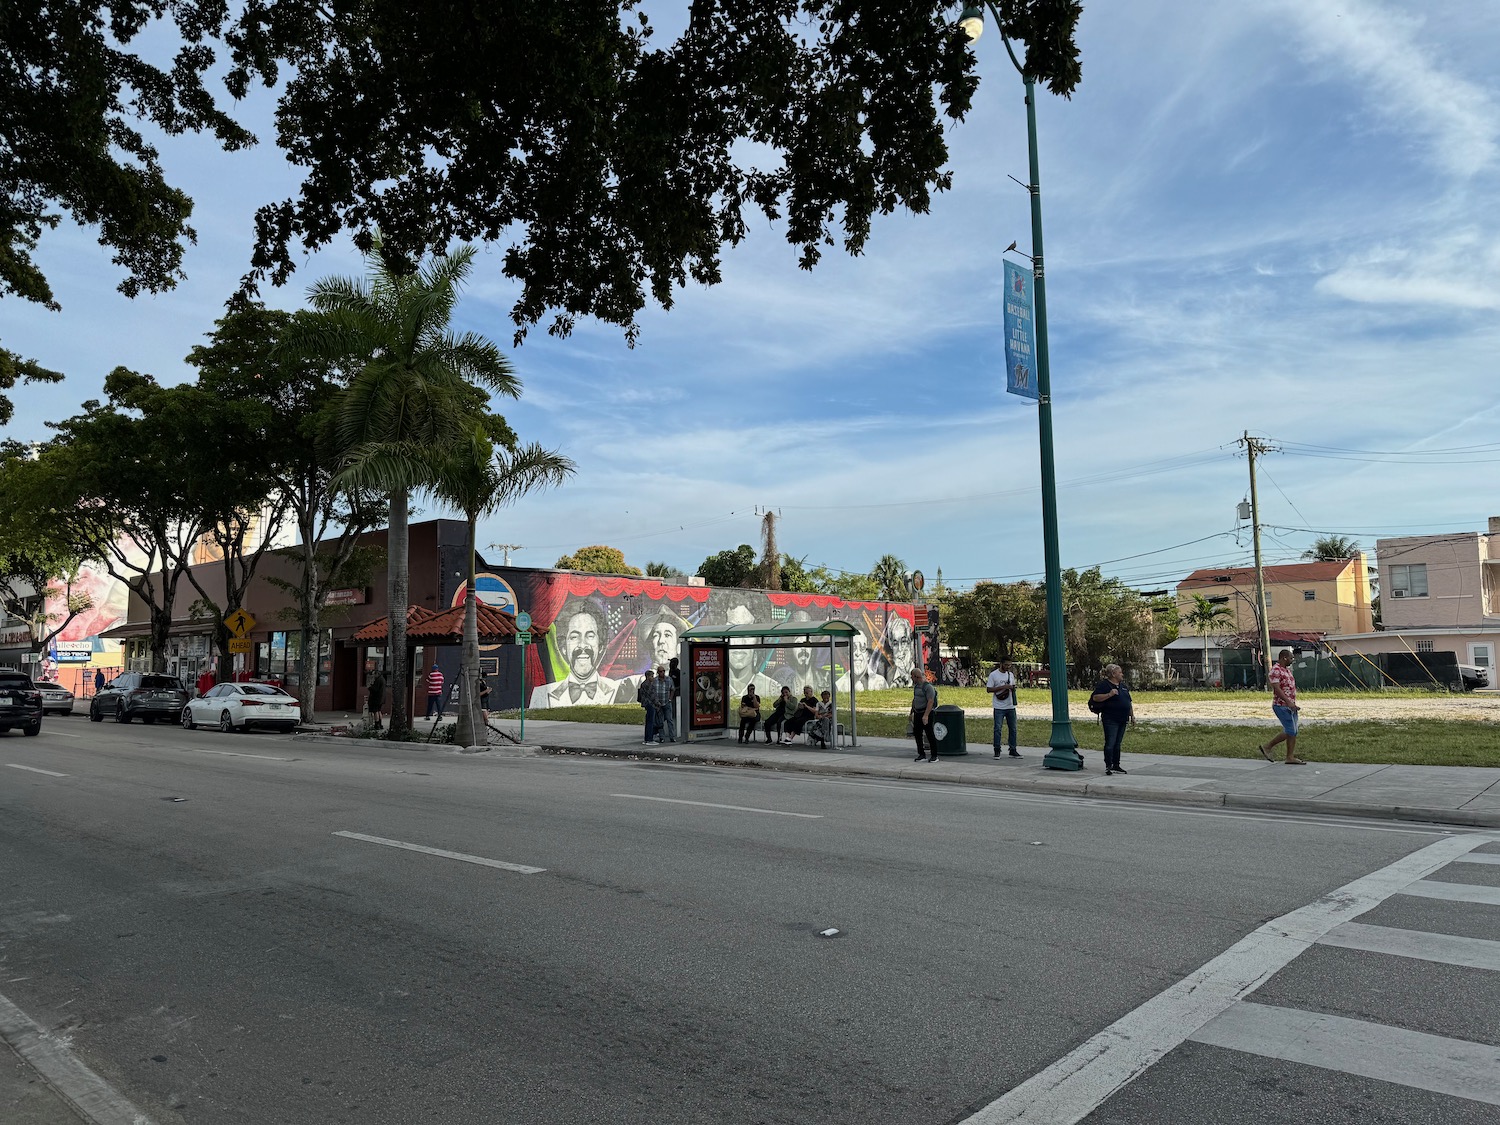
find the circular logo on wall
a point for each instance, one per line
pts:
(494, 592)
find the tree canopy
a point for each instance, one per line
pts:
(730, 568)
(598, 559)
(1332, 548)
(616, 164)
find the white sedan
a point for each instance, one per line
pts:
(232, 707)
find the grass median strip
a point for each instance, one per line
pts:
(1403, 742)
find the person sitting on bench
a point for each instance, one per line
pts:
(807, 711)
(779, 713)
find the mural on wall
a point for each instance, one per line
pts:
(595, 635)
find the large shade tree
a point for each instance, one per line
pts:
(616, 162)
(418, 388)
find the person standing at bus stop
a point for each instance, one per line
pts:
(1002, 688)
(923, 699)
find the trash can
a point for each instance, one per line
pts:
(948, 730)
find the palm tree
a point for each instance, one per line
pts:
(889, 574)
(420, 388)
(479, 479)
(1332, 548)
(1202, 617)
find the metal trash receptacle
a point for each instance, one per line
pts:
(948, 731)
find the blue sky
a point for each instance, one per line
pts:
(1270, 216)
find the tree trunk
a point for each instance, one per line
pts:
(398, 587)
(470, 730)
(161, 627)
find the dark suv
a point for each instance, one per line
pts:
(20, 704)
(139, 695)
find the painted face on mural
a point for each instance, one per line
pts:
(860, 653)
(740, 658)
(901, 646)
(661, 641)
(581, 642)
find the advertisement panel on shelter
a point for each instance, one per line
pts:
(710, 689)
(1020, 333)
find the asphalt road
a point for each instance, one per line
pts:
(178, 908)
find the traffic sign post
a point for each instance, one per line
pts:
(239, 623)
(523, 638)
(239, 644)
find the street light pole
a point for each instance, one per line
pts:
(1063, 745)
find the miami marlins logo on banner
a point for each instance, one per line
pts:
(1020, 333)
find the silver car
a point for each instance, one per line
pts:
(56, 699)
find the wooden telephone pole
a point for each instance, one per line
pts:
(1253, 448)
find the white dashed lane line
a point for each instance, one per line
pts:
(518, 868)
(235, 754)
(711, 805)
(34, 769)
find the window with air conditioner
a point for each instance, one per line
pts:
(1409, 581)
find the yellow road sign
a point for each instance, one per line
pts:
(239, 644)
(240, 623)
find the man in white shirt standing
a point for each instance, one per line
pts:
(1002, 688)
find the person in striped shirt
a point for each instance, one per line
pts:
(434, 693)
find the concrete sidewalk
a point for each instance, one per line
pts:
(1439, 794)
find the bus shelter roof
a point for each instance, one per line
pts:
(807, 629)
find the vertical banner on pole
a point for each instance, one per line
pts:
(1020, 333)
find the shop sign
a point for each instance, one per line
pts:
(344, 597)
(73, 652)
(15, 635)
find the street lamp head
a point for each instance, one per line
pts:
(971, 21)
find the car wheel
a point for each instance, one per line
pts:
(121, 716)
(94, 716)
(226, 722)
(33, 729)
(187, 719)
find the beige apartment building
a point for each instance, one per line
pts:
(1311, 597)
(1438, 593)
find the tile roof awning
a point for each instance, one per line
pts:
(424, 627)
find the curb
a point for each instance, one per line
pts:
(1095, 789)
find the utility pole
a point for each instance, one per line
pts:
(507, 548)
(1254, 447)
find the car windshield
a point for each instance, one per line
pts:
(159, 683)
(260, 689)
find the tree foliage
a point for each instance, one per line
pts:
(598, 559)
(997, 621)
(664, 570)
(13, 370)
(619, 163)
(735, 567)
(1332, 548)
(73, 95)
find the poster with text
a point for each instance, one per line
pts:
(710, 693)
(1020, 333)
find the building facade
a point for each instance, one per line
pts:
(1311, 597)
(1438, 593)
(593, 635)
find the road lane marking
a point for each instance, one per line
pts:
(1454, 892)
(1370, 1050)
(1485, 857)
(518, 868)
(1445, 949)
(235, 754)
(34, 769)
(711, 805)
(99, 1102)
(1073, 1087)
(61, 734)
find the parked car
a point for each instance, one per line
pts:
(232, 707)
(1474, 676)
(20, 704)
(147, 696)
(56, 699)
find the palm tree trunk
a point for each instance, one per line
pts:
(469, 731)
(398, 590)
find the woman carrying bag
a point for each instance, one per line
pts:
(749, 714)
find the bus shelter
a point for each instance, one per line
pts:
(711, 705)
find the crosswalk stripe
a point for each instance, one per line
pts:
(1445, 949)
(1454, 892)
(1093, 1072)
(1479, 857)
(1369, 1050)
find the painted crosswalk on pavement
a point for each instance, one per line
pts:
(1379, 1002)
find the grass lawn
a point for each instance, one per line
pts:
(1416, 742)
(899, 699)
